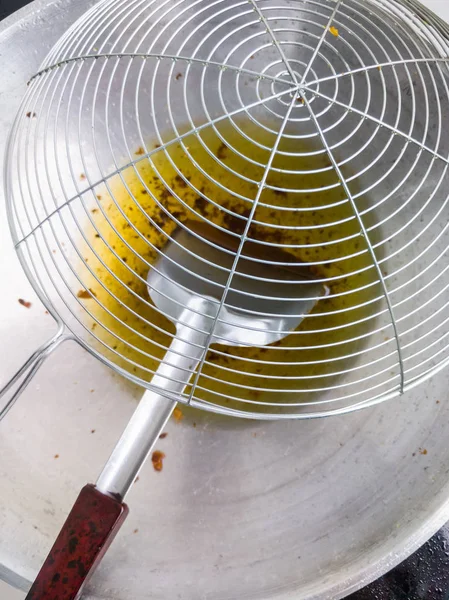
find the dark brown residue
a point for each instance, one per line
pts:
(180, 181)
(201, 204)
(222, 151)
(282, 193)
(234, 224)
(24, 303)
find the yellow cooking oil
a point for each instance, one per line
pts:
(216, 174)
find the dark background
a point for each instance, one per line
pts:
(423, 576)
(9, 6)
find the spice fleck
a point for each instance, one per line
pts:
(157, 460)
(177, 414)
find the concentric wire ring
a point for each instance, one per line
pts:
(318, 128)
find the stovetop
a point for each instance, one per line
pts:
(425, 574)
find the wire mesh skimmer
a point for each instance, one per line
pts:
(319, 128)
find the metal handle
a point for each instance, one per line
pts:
(25, 374)
(154, 409)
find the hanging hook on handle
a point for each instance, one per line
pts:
(25, 374)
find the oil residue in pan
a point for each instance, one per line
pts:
(307, 213)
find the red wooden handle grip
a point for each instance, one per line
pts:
(84, 538)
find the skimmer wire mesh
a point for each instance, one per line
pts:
(320, 127)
